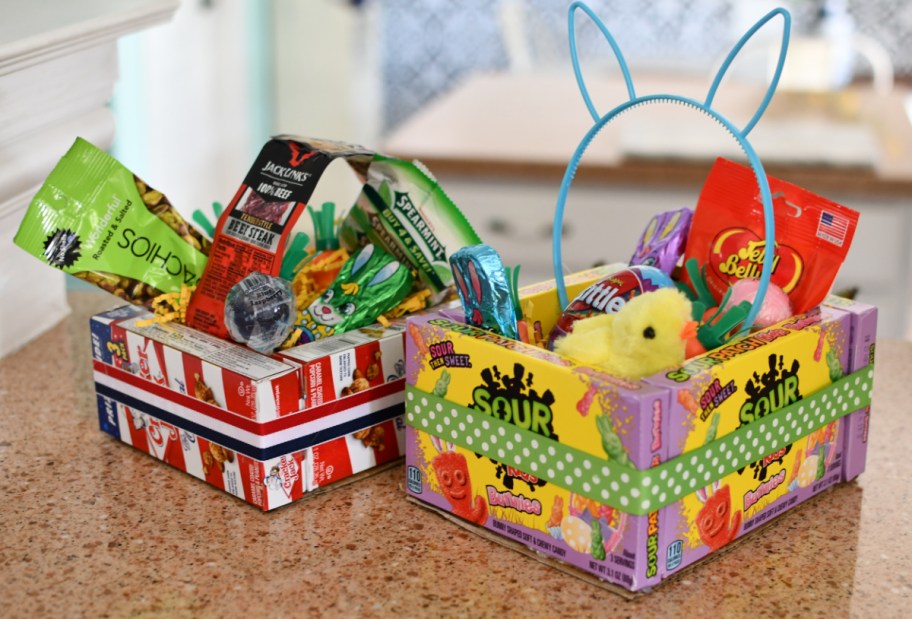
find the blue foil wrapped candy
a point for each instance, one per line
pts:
(484, 289)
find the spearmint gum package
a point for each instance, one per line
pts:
(402, 209)
(94, 219)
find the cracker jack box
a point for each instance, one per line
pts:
(219, 454)
(350, 362)
(188, 361)
(177, 394)
(623, 482)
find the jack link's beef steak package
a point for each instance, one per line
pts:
(253, 231)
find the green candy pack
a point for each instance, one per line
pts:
(402, 209)
(94, 219)
(370, 283)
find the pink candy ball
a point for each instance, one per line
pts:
(776, 304)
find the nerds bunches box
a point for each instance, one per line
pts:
(188, 361)
(267, 483)
(587, 469)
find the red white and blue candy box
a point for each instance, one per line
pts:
(235, 418)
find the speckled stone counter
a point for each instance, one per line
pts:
(94, 528)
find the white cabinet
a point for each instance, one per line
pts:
(58, 66)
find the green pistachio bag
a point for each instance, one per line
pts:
(94, 219)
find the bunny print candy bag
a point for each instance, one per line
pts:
(370, 283)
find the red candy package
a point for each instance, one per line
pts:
(813, 235)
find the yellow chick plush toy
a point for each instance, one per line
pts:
(645, 336)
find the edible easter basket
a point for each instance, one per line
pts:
(627, 482)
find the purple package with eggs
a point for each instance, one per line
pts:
(662, 242)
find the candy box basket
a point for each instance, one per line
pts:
(271, 428)
(505, 437)
(627, 483)
(267, 430)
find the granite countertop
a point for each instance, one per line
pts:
(94, 528)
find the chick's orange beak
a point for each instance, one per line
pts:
(689, 330)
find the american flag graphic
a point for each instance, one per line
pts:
(832, 228)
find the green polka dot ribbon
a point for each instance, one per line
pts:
(628, 489)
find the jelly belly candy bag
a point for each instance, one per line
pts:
(259, 311)
(370, 283)
(813, 235)
(484, 289)
(663, 240)
(252, 233)
(94, 219)
(404, 210)
(608, 295)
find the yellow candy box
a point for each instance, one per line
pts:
(630, 482)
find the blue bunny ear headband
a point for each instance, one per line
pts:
(739, 134)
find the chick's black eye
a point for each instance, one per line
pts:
(649, 333)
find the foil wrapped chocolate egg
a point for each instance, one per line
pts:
(259, 311)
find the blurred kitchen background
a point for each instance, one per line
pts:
(237, 71)
(483, 92)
